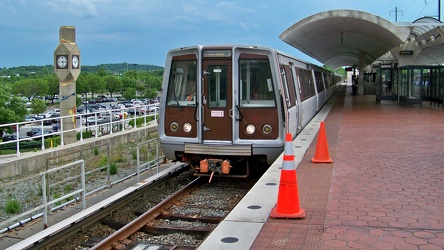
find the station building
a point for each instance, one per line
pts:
(395, 61)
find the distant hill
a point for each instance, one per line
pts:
(112, 68)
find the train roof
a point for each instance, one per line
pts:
(252, 46)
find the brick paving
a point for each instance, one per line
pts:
(384, 190)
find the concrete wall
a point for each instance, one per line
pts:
(32, 161)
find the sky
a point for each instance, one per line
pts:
(143, 31)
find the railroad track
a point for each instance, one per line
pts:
(176, 211)
(189, 211)
(70, 233)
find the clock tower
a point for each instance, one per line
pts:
(67, 68)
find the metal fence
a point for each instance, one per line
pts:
(32, 134)
(65, 183)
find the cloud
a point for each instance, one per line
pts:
(248, 26)
(75, 8)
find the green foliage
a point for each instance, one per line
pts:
(52, 142)
(13, 206)
(22, 145)
(85, 134)
(141, 120)
(341, 71)
(30, 82)
(12, 109)
(96, 151)
(113, 168)
(112, 84)
(118, 158)
(38, 106)
(129, 93)
(68, 188)
(30, 87)
(103, 161)
(53, 86)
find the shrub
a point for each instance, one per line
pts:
(13, 206)
(68, 188)
(113, 168)
(96, 151)
(103, 161)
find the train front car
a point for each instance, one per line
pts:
(221, 110)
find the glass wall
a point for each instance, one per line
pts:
(386, 83)
(421, 83)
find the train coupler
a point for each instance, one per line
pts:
(215, 165)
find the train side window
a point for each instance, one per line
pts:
(290, 86)
(182, 83)
(285, 86)
(256, 84)
(306, 84)
(319, 81)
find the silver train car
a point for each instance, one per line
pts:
(226, 109)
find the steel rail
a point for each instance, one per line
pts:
(135, 225)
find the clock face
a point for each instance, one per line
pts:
(62, 62)
(75, 62)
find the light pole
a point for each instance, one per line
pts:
(135, 77)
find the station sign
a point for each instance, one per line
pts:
(406, 52)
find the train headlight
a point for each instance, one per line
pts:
(174, 126)
(250, 129)
(266, 129)
(187, 127)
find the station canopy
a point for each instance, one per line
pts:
(354, 38)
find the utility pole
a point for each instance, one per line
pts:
(396, 13)
(439, 9)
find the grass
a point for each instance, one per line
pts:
(13, 206)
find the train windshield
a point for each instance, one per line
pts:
(256, 84)
(182, 84)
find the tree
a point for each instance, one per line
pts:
(12, 109)
(30, 88)
(113, 84)
(89, 82)
(18, 107)
(53, 86)
(129, 93)
(38, 106)
(101, 72)
(127, 83)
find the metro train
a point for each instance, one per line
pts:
(226, 109)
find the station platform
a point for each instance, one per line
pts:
(384, 189)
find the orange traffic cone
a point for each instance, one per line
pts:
(288, 198)
(322, 155)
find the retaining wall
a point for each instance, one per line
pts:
(32, 161)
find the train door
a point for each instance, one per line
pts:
(216, 100)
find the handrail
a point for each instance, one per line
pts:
(44, 131)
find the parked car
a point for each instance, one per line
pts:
(108, 115)
(92, 120)
(122, 114)
(144, 110)
(30, 117)
(40, 117)
(133, 111)
(56, 127)
(9, 137)
(154, 109)
(46, 134)
(33, 131)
